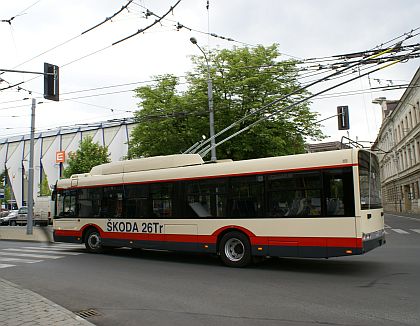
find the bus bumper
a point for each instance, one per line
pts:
(373, 240)
(60, 236)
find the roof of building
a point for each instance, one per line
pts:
(70, 129)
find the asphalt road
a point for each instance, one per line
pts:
(158, 288)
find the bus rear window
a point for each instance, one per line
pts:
(369, 181)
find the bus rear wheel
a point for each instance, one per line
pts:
(93, 241)
(235, 250)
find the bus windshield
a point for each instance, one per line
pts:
(369, 180)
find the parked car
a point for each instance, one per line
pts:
(22, 216)
(10, 219)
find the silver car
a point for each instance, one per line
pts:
(10, 219)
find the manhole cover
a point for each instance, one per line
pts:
(87, 313)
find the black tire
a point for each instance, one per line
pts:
(12, 223)
(235, 249)
(93, 241)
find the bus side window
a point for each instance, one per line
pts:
(338, 192)
(294, 194)
(162, 195)
(66, 203)
(247, 196)
(137, 204)
(112, 202)
(88, 202)
(206, 199)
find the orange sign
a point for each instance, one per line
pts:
(60, 157)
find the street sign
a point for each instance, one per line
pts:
(60, 157)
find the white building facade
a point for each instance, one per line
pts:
(398, 147)
(51, 152)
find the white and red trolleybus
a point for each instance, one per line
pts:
(324, 204)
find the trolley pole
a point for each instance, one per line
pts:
(29, 225)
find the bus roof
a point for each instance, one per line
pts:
(191, 166)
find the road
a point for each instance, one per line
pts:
(159, 288)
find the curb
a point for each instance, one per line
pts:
(41, 234)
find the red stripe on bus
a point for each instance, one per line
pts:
(217, 176)
(255, 240)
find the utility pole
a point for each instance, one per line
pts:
(213, 158)
(29, 225)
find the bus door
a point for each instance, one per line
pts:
(371, 211)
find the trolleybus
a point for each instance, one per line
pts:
(323, 205)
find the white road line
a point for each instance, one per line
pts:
(387, 226)
(6, 265)
(55, 248)
(29, 255)
(400, 231)
(68, 245)
(46, 251)
(407, 217)
(415, 230)
(386, 232)
(19, 260)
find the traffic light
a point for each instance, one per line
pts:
(51, 82)
(343, 117)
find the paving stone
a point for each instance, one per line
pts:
(23, 307)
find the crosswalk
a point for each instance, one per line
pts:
(391, 230)
(31, 254)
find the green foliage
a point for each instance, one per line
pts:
(7, 194)
(2, 176)
(6, 190)
(44, 189)
(244, 80)
(86, 157)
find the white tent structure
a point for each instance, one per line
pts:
(14, 152)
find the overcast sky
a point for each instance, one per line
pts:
(302, 28)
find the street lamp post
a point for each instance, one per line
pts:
(210, 99)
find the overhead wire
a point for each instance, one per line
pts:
(367, 60)
(109, 46)
(9, 21)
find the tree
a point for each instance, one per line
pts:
(244, 80)
(2, 186)
(44, 189)
(7, 192)
(86, 157)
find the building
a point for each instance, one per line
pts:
(398, 148)
(52, 149)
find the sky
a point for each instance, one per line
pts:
(91, 67)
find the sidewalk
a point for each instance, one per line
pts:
(43, 234)
(23, 307)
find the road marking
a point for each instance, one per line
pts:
(68, 245)
(55, 248)
(400, 231)
(407, 217)
(387, 226)
(415, 230)
(30, 255)
(6, 265)
(43, 251)
(19, 260)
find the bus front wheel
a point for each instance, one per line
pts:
(93, 241)
(235, 250)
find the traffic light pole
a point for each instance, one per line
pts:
(51, 92)
(30, 203)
